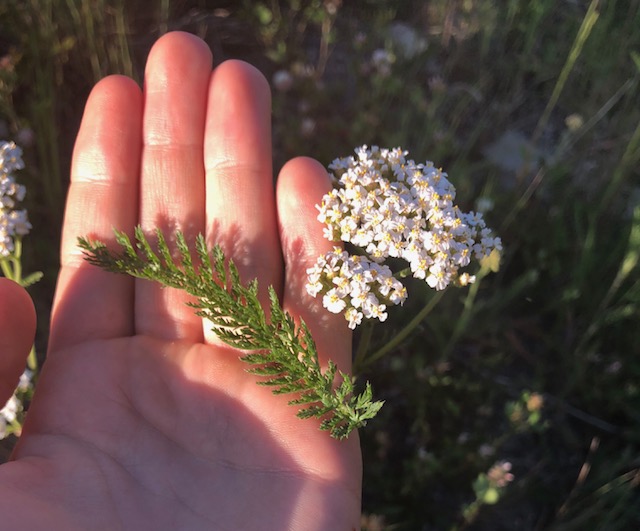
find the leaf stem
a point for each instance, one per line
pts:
(363, 346)
(400, 336)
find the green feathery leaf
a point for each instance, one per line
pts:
(282, 355)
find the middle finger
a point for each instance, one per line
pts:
(172, 171)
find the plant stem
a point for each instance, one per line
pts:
(400, 336)
(623, 169)
(583, 33)
(17, 262)
(403, 273)
(32, 360)
(467, 311)
(524, 199)
(363, 346)
(6, 270)
(11, 266)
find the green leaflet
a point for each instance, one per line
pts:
(282, 355)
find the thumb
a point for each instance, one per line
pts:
(17, 329)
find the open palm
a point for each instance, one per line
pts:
(142, 419)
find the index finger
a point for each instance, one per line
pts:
(103, 194)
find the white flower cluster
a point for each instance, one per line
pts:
(9, 422)
(12, 222)
(356, 284)
(391, 207)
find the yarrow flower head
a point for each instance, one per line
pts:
(387, 206)
(12, 222)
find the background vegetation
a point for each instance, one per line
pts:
(516, 405)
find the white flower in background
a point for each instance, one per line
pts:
(12, 410)
(10, 158)
(307, 127)
(406, 40)
(381, 60)
(282, 80)
(12, 222)
(484, 204)
(574, 122)
(8, 415)
(24, 384)
(390, 207)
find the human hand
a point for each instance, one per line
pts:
(142, 419)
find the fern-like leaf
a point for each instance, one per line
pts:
(281, 354)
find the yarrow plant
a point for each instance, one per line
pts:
(13, 413)
(387, 206)
(282, 354)
(14, 225)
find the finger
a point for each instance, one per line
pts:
(240, 197)
(172, 171)
(90, 303)
(301, 184)
(17, 328)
